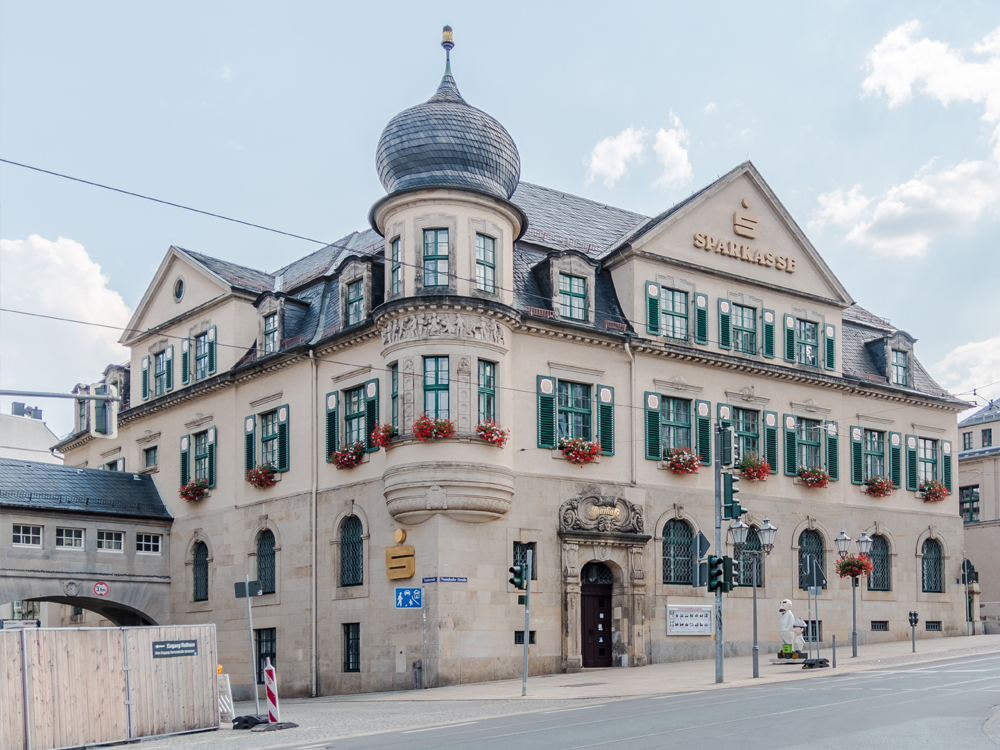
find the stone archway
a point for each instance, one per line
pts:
(607, 528)
(125, 603)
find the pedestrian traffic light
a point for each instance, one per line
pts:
(730, 505)
(730, 573)
(517, 576)
(716, 573)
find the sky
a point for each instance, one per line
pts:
(876, 124)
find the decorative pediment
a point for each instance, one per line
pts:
(594, 511)
(676, 386)
(747, 395)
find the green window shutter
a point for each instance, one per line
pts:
(283, 452)
(168, 362)
(946, 463)
(120, 465)
(771, 440)
(789, 338)
(185, 459)
(653, 308)
(791, 446)
(832, 433)
(332, 424)
(546, 411)
(145, 378)
(703, 431)
(250, 442)
(857, 456)
(725, 412)
(211, 349)
(896, 459)
(606, 419)
(701, 318)
(210, 439)
(725, 324)
(101, 411)
(371, 412)
(911, 463)
(185, 361)
(653, 450)
(830, 346)
(767, 327)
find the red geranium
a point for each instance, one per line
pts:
(580, 451)
(349, 457)
(933, 491)
(754, 468)
(814, 476)
(194, 490)
(854, 566)
(683, 461)
(261, 476)
(878, 487)
(382, 435)
(425, 428)
(492, 433)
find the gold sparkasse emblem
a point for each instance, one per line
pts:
(744, 222)
(603, 510)
(399, 562)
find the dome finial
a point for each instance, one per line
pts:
(448, 42)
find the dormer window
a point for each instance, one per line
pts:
(271, 333)
(674, 313)
(807, 343)
(899, 368)
(355, 298)
(435, 257)
(744, 329)
(486, 264)
(572, 297)
(396, 259)
(160, 373)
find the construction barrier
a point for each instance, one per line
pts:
(271, 688)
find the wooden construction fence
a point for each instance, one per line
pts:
(67, 687)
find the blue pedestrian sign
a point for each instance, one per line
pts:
(409, 598)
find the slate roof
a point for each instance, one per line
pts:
(31, 485)
(989, 413)
(237, 275)
(993, 450)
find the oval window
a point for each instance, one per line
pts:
(178, 289)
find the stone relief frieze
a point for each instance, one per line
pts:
(444, 325)
(594, 511)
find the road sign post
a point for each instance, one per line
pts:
(718, 548)
(249, 589)
(527, 624)
(413, 598)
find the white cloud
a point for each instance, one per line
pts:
(836, 207)
(709, 108)
(611, 157)
(671, 152)
(973, 365)
(55, 278)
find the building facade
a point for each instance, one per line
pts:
(477, 297)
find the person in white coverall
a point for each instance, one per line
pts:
(790, 635)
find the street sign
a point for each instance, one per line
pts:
(168, 649)
(816, 590)
(19, 624)
(454, 579)
(699, 574)
(700, 546)
(409, 598)
(241, 589)
(430, 579)
(101, 589)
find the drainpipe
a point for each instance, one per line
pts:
(631, 370)
(314, 469)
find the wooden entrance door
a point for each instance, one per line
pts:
(595, 614)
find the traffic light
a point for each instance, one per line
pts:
(730, 505)
(517, 576)
(716, 573)
(914, 619)
(726, 445)
(730, 573)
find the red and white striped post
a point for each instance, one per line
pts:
(271, 687)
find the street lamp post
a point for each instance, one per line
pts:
(738, 533)
(843, 543)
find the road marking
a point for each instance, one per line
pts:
(446, 726)
(677, 695)
(313, 747)
(561, 710)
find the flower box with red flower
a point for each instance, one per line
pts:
(854, 566)
(348, 457)
(426, 428)
(878, 486)
(933, 491)
(813, 476)
(262, 476)
(492, 433)
(754, 468)
(682, 461)
(580, 451)
(194, 490)
(382, 435)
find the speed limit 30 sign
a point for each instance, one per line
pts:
(101, 589)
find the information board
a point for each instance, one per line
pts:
(689, 619)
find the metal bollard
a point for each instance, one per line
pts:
(418, 667)
(834, 651)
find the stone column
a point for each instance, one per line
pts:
(572, 651)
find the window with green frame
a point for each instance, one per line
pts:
(436, 404)
(149, 457)
(677, 563)
(435, 257)
(81, 418)
(574, 410)
(899, 368)
(966, 437)
(675, 424)
(744, 329)
(200, 356)
(746, 425)
(160, 372)
(572, 297)
(394, 394)
(487, 390)
(968, 503)
(486, 269)
(810, 434)
(807, 342)
(396, 267)
(269, 438)
(270, 333)
(355, 298)
(927, 459)
(201, 456)
(873, 449)
(674, 313)
(354, 416)
(987, 437)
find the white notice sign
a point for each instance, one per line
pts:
(689, 619)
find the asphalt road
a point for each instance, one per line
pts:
(945, 704)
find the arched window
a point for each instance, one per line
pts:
(747, 562)
(200, 573)
(265, 562)
(597, 573)
(933, 580)
(352, 571)
(677, 536)
(880, 578)
(810, 543)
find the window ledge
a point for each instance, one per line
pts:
(150, 469)
(205, 606)
(460, 437)
(797, 480)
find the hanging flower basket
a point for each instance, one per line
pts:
(425, 428)
(492, 433)
(814, 477)
(194, 490)
(261, 476)
(580, 451)
(854, 566)
(682, 461)
(349, 457)
(878, 487)
(383, 434)
(754, 468)
(933, 491)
